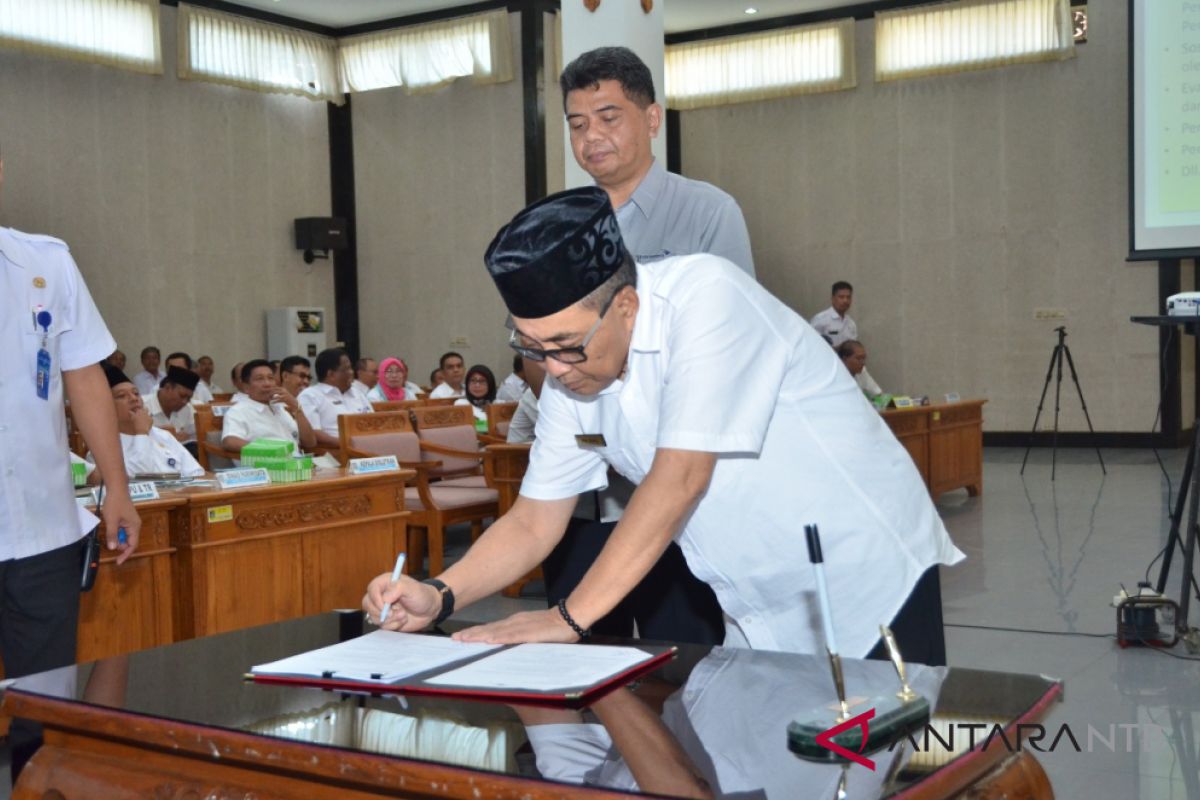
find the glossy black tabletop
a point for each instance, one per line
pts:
(713, 717)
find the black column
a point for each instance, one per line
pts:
(1168, 365)
(533, 78)
(341, 188)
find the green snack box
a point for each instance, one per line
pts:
(278, 448)
(79, 473)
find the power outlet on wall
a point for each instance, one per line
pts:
(460, 341)
(1049, 313)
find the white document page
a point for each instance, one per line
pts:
(390, 655)
(544, 667)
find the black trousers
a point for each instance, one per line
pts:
(918, 625)
(39, 615)
(669, 604)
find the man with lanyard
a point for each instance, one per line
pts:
(612, 116)
(53, 338)
(630, 353)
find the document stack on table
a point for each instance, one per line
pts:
(421, 664)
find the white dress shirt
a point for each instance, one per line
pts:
(183, 420)
(361, 387)
(157, 451)
(838, 328)
(524, 419)
(798, 443)
(480, 413)
(867, 384)
(511, 390)
(324, 403)
(147, 382)
(37, 497)
(444, 390)
(252, 420)
(203, 394)
(239, 397)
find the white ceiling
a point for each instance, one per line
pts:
(679, 15)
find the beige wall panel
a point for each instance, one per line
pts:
(176, 197)
(436, 175)
(957, 205)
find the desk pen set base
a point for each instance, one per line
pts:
(893, 719)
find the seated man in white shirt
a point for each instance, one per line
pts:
(366, 374)
(454, 369)
(148, 379)
(834, 323)
(524, 420)
(854, 356)
(170, 406)
(235, 377)
(514, 385)
(333, 396)
(205, 368)
(268, 412)
(295, 374)
(201, 395)
(147, 449)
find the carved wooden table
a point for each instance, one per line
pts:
(253, 556)
(945, 441)
(185, 730)
(131, 605)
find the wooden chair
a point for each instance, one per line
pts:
(499, 415)
(437, 401)
(505, 470)
(222, 397)
(404, 405)
(433, 505)
(209, 423)
(448, 434)
(75, 441)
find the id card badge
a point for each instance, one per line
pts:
(43, 373)
(590, 441)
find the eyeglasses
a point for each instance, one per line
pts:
(564, 355)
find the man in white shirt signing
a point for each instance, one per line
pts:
(268, 412)
(630, 351)
(834, 323)
(333, 396)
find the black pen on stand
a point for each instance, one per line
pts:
(835, 661)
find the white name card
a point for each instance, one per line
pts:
(143, 490)
(241, 478)
(903, 402)
(952, 397)
(366, 466)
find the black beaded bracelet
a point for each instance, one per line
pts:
(566, 615)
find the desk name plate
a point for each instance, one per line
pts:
(143, 490)
(241, 478)
(366, 466)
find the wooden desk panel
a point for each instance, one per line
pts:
(252, 556)
(131, 605)
(945, 441)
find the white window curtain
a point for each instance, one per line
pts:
(970, 34)
(760, 66)
(238, 51)
(424, 57)
(117, 33)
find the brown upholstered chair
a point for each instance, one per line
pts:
(209, 451)
(448, 435)
(505, 470)
(433, 505)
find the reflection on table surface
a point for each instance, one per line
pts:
(712, 722)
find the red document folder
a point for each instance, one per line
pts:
(419, 684)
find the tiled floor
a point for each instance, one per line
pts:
(1049, 556)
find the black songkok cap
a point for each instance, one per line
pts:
(556, 252)
(183, 377)
(114, 375)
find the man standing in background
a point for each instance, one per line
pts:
(609, 101)
(53, 338)
(148, 379)
(834, 323)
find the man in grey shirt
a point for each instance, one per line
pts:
(608, 97)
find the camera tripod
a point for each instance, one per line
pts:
(1056, 368)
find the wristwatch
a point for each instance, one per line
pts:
(447, 599)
